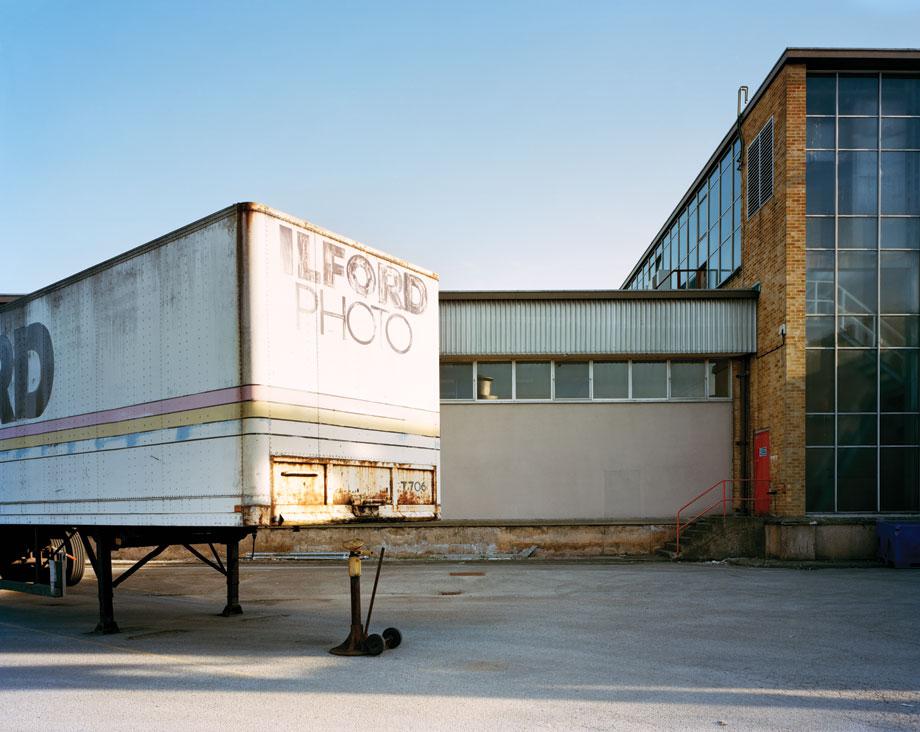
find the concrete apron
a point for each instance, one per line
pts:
(832, 539)
(461, 540)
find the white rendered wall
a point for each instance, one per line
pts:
(580, 461)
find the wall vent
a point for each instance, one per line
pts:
(760, 169)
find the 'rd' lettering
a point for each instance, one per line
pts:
(28, 365)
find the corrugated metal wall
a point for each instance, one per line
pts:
(507, 327)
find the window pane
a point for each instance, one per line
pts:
(611, 380)
(819, 133)
(819, 381)
(857, 182)
(900, 331)
(900, 479)
(858, 232)
(725, 226)
(819, 331)
(456, 381)
(900, 182)
(720, 374)
(857, 331)
(857, 282)
(819, 429)
(736, 171)
(856, 479)
(819, 283)
(572, 380)
(725, 255)
(726, 186)
(819, 232)
(901, 133)
(703, 216)
(858, 133)
(493, 380)
(858, 94)
(714, 197)
(736, 248)
(900, 233)
(819, 479)
(649, 379)
(900, 94)
(819, 183)
(532, 379)
(856, 429)
(900, 429)
(688, 379)
(898, 381)
(820, 95)
(900, 282)
(856, 380)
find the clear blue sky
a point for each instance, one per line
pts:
(503, 144)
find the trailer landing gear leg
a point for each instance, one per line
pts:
(103, 569)
(233, 580)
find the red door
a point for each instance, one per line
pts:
(762, 472)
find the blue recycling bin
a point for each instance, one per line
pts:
(899, 543)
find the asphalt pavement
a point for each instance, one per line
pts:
(490, 645)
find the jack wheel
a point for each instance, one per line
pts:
(374, 645)
(392, 637)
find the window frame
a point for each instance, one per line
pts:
(707, 387)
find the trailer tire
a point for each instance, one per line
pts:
(6, 565)
(10, 568)
(75, 567)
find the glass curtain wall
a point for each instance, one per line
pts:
(701, 247)
(862, 292)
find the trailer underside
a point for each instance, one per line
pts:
(26, 551)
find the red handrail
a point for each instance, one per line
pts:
(723, 485)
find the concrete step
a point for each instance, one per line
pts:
(698, 528)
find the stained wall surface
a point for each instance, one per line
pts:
(580, 461)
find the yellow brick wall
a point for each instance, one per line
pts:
(773, 256)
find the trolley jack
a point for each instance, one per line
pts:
(359, 643)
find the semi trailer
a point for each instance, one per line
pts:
(245, 372)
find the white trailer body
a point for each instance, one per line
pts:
(247, 370)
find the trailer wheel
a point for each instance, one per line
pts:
(75, 567)
(374, 645)
(392, 637)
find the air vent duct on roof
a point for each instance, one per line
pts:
(760, 169)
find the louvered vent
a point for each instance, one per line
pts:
(760, 169)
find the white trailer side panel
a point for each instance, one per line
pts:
(343, 364)
(142, 421)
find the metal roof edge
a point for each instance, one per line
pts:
(124, 256)
(304, 224)
(472, 295)
(232, 209)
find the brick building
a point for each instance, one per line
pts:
(820, 212)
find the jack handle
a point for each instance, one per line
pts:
(370, 608)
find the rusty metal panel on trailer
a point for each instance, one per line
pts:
(174, 384)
